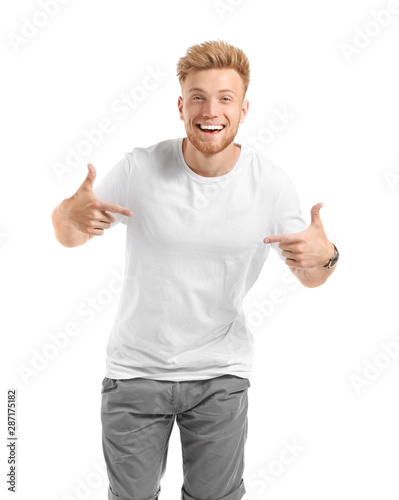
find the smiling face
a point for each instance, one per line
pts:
(212, 108)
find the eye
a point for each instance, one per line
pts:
(226, 99)
(197, 97)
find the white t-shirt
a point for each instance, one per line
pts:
(194, 247)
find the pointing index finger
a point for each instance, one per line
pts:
(117, 209)
(281, 238)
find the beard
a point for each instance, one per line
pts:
(207, 147)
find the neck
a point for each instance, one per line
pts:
(212, 165)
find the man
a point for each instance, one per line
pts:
(201, 214)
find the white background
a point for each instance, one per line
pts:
(341, 148)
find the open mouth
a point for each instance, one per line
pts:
(210, 129)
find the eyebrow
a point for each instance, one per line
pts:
(196, 89)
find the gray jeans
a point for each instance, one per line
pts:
(137, 418)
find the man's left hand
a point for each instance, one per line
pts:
(307, 249)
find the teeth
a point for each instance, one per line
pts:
(211, 127)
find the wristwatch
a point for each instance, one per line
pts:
(333, 260)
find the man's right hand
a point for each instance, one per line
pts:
(88, 214)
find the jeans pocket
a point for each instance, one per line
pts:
(239, 384)
(109, 384)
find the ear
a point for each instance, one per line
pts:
(180, 106)
(244, 110)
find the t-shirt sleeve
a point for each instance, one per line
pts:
(114, 187)
(287, 215)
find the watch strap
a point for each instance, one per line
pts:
(333, 260)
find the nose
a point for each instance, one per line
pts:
(210, 109)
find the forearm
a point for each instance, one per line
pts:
(66, 234)
(313, 277)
